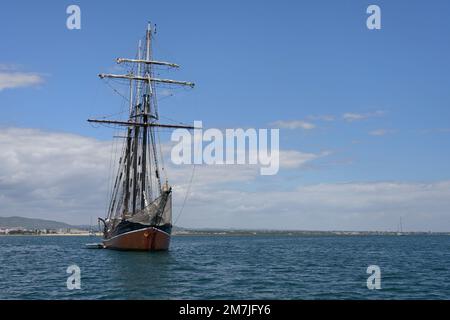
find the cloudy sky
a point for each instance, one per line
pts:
(364, 115)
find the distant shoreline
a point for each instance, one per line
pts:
(305, 233)
(231, 233)
(52, 234)
(17, 225)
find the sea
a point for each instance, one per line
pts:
(229, 267)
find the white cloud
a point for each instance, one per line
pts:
(293, 124)
(295, 159)
(65, 177)
(350, 117)
(324, 117)
(9, 80)
(8, 67)
(347, 206)
(435, 130)
(381, 132)
(52, 175)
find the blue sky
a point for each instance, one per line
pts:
(385, 92)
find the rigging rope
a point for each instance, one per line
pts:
(116, 91)
(186, 196)
(114, 184)
(163, 167)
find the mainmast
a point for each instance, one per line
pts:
(140, 127)
(145, 118)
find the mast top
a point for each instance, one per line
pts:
(148, 62)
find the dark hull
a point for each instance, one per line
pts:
(142, 239)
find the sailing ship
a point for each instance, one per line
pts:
(139, 215)
(400, 228)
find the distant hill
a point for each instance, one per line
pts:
(29, 223)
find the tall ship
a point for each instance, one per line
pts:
(139, 215)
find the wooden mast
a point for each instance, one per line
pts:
(136, 136)
(128, 158)
(127, 173)
(146, 102)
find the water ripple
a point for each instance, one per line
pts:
(253, 267)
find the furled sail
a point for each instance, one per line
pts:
(157, 213)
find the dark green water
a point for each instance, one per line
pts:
(215, 267)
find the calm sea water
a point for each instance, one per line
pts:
(216, 267)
